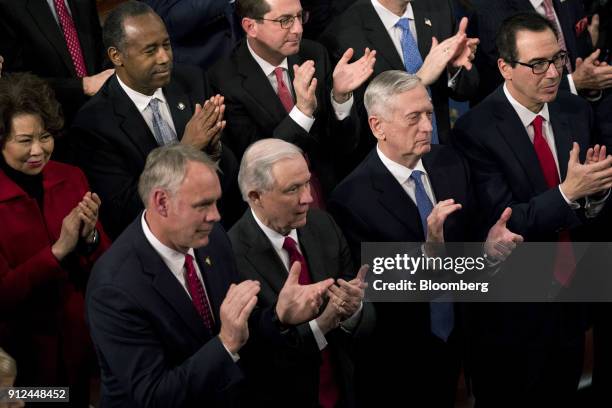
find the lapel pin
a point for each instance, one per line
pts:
(208, 261)
(428, 22)
(181, 106)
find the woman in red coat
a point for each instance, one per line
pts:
(49, 239)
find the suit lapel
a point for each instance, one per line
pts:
(513, 132)
(130, 120)
(393, 197)
(563, 138)
(42, 16)
(424, 31)
(168, 287)
(377, 35)
(177, 98)
(311, 246)
(261, 255)
(257, 85)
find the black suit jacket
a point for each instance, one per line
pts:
(152, 346)
(360, 27)
(488, 15)
(254, 111)
(506, 173)
(31, 40)
(277, 375)
(112, 140)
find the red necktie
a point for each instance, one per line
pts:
(287, 100)
(328, 390)
(71, 37)
(565, 261)
(198, 295)
(549, 11)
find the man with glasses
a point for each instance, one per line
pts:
(526, 144)
(277, 85)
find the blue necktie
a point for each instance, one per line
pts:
(413, 62)
(441, 313)
(164, 135)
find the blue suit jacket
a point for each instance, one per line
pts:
(152, 346)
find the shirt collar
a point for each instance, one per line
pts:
(388, 18)
(399, 172)
(536, 3)
(275, 238)
(525, 115)
(141, 100)
(174, 259)
(266, 67)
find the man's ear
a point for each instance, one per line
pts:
(505, 69)
(160, 201)
(249, 26)
(115, 56)
(255, 198)
(376, 126)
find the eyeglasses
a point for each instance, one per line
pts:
(286, 22)
(540, 67)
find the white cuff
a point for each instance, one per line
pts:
(303, 121)
(592, 207)
(318, 334)
(452, 80)
(234, 356)
(572, 85)
(573, 204)
(342, 110)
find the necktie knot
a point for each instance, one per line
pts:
(416, 176)
(289, 244)
(403, 23)
(537, 122)
(278, 72)
(154, 104)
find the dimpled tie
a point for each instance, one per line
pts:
(413, 62)
(549, 10)
(161, 129)
(565, 260)
(71, 37)
(329, 393)
(441, 313)
(198, 295)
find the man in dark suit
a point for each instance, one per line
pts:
(201, 31)
(146, 104)
(445, 67)
(583, 72)
(278, 229)
(523, 143)
(278, 85)
(33, 37)
(167, 330)
(385, 200)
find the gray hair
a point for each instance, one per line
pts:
(8, 366)
(166, 166)
(257, 162)
(381, 91)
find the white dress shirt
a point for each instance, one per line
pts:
(593, 207)
(142, 104)
(342, 110)
(175, 261)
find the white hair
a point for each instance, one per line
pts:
(380, 93)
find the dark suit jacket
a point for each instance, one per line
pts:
(201, 31)
(152, 346)
(484, 23)
(254, 111)
(31, 40)
(506, 173)
(360, 27)
(278, 375)
(112, 140)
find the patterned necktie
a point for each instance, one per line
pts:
(71, 37)
(413, 62)
(161, 129)
(441, 313)
(284, 94)
(549, 12)
(198, 295)
(329, 393)
(565, 260)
